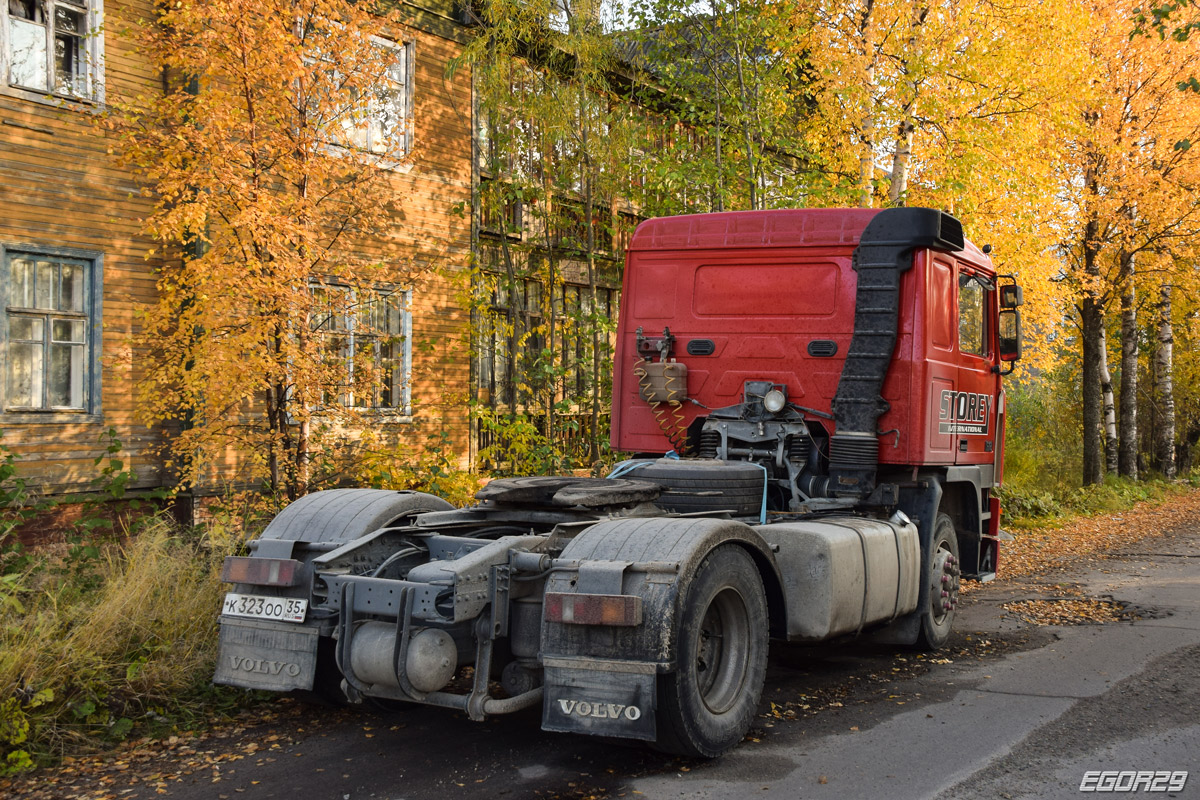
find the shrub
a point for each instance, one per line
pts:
(433, 470)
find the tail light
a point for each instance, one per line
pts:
(593, 609)
(260, 571)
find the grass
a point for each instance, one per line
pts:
(98, 642)
(1026, 507)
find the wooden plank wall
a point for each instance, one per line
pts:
(58, 187)
(61, 189)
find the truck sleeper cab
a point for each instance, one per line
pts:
(829, 382)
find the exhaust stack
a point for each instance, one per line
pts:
(883, 255)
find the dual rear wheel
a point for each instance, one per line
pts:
(707, 704)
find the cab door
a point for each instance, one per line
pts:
(941, 357)
(971, 419)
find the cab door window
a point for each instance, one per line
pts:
(972, 328)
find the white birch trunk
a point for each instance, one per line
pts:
(1128, 446)
(866, 134)
(1110, 407)
(1165, 385)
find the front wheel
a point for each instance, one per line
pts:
(944, 572)
(707, 704)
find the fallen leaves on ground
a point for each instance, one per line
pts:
(145, 768)
(1069, 611)
(1046, 550)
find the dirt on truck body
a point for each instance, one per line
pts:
(826, 385)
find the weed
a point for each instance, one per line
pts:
(113, 632)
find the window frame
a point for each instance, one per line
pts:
(396, 413)
(94, 303)
(92, 48)
(985, 343)
(405, 50)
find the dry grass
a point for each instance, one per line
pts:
(97, 643)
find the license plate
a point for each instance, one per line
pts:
(282, 609)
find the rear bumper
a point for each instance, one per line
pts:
(275, 656)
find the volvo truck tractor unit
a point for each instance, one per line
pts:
(826, 386)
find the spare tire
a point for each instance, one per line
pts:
(705, 484)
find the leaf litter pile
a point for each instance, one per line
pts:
(1070, 611)
(1044, 552)
(154, 764)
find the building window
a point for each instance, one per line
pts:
(366, 339)
(516, 347)
(571, 226)
(380, 119)
(499, 209)
(54, 47)
(51, 330)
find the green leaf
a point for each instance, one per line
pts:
(121, 728)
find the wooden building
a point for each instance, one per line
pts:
(74, 264)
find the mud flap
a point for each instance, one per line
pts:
(601, 698)
(275, 656)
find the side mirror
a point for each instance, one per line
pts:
(1011, 297)
(1009, 335)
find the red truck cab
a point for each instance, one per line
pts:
(774, 297)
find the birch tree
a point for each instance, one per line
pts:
(1135, 194)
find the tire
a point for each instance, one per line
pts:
(707, 704)
(327, 682)
(937, 618)
(343, 515)
(698, 485)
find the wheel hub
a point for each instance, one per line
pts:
(945, 579)
(720, 661)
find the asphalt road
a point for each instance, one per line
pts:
(1010, 710)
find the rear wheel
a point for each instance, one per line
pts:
(707, 704)
(937, 618)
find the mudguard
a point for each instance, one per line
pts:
(920, 503)
(261, 654)
(611, 671)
